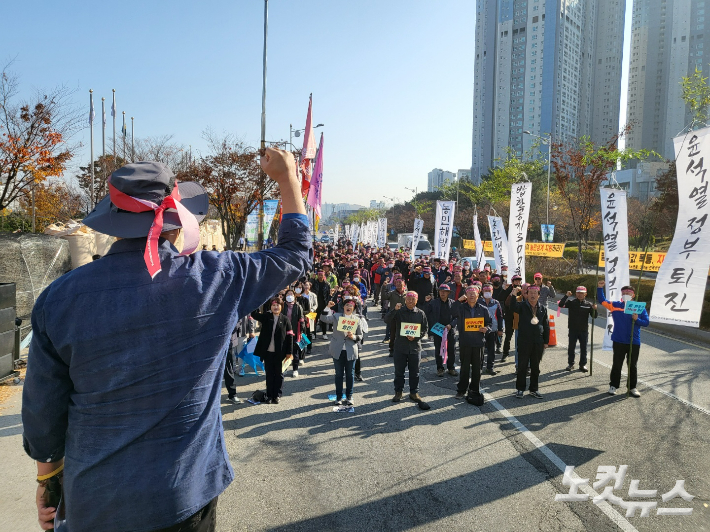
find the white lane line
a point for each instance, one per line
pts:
(664, 392)
(604, 506)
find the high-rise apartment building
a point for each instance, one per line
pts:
(667, 40)
(544, 66)
(438, 177)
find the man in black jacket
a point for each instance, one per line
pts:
(423, 286)
(474, 322)
(533, 337)
(408, 325)
(508, 312)
(321, 288)
(500, 295)
(443, 310)
(577, 324)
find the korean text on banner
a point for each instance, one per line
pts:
(480, 253)
(417, 234)
(444, 228)
(410, 329)
(347, 324)
(518, 226)
(473, 324)
(438, 329)
(680, 283)
(615, 229)
(270, 208)
(650, 262)
(500, 242)
(251, 229)
(537, 249)
(381, 232)
(355, 233)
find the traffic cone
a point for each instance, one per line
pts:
(553, 334)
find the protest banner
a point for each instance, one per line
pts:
(438, 329)
(518, 226)
(473, 324)
(381, 232)
(347, 324)
(444, 228)
(500, 242)
(410, 329)
(416, 235)
(634, 307)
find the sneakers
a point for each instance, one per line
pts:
(460, 395)
(295, 374)
(440, 372)
(634, 392)
(234, 400)
(453, 373)
(348, 402)
(275, 400)
(337, 402)
(358, 377)
(570, 367)
(386, 341)
(301, 362)
(397, 397)
(519, 394)
(490, 372)
(536, 394)
(325, 336)
(583, 369)
(612, 390)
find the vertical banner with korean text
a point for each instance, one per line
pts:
(480, 253)
(270, 208)
(615, 229)
(381, 232)
(444, 228)
(518, 227)
(354, 234)
(680, 282)
(500, 242)
(417, 234)
(335, 233)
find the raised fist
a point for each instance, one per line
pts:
(398, 306)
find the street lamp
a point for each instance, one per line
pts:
(297, 133)
(546, 140)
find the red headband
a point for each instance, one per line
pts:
(191, 229)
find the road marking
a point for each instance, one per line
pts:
(664, 392)
(604, 506)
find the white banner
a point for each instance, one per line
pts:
(680, 282)
(335, 234)
(444, 228)
(480, 254)
(362, 236)
(381, 232)
(616, 250)
(355, 230)
(373, 232)
(417, 234)
(500, 243)
(518, 227)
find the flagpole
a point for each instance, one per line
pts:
(133, 146)
(113, 112)
(91, 128)
(103, 141)
(123, 131)
(260, 236)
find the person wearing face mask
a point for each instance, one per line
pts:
(443, 310)
(534, 335)
(473, 322)
(423, 286)
(393, 297)
(377, 279)
(296, 316)
(497, 326)
(623, 325)
(500, 296)
(274, 344)
(546, 290)
(309, 302)
(508, 312)
(357, 282)
(321, 288)
(579, 310)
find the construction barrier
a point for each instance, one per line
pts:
(553, 334)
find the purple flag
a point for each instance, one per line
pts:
(316, 188)
(444, 353)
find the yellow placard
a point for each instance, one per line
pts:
(347, 324)
(473, 324)
(311, 315)
(637, 259)
(532, 249)
(410, 329)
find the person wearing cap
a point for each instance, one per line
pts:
(124, 378)
(466, 272)
(377, 279)
(330, 277)
(623, 325)
(497, 326)
(394, 297)
(473, 322)
(344, 348)
(443, 310)
(547, 291)
(579, 309)
(423, 286)
(407, 349)
(533, 337)
(509, 314)
(499, 295)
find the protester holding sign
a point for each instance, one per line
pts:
(408, 325)
(473, 322)
(344, 347)
(275, 343)
(578, 325)
(508, 314)
(442, 310)
(621, 337)
(533, 337)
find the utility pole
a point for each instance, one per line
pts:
(262, 180)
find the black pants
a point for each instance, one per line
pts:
(357, 365)
(376, 296)
(575, 335)
(621, 352)
(309, 335)
(528, 353)
(402, 362)
(490, 349)
(450, 350)
(470, 368)
(229, 371)
(274, 375)
(204, 520)
(322, 324)
(509, 333)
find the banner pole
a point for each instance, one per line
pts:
(591, 343)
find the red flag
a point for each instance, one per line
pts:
(309, 150)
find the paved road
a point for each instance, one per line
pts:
(300, 466)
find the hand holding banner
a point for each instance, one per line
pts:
(438, 329)
(410, 330)
(634, 307)
(347, 324)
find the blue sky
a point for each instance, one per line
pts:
(391, 80)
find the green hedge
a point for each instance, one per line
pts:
(589, 255)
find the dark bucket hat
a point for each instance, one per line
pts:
(149, 181)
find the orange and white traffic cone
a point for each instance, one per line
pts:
(553, 334)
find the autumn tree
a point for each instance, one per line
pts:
(53, 202)
(34, 137)
(103, 168)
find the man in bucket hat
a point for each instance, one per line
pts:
(124, 375)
